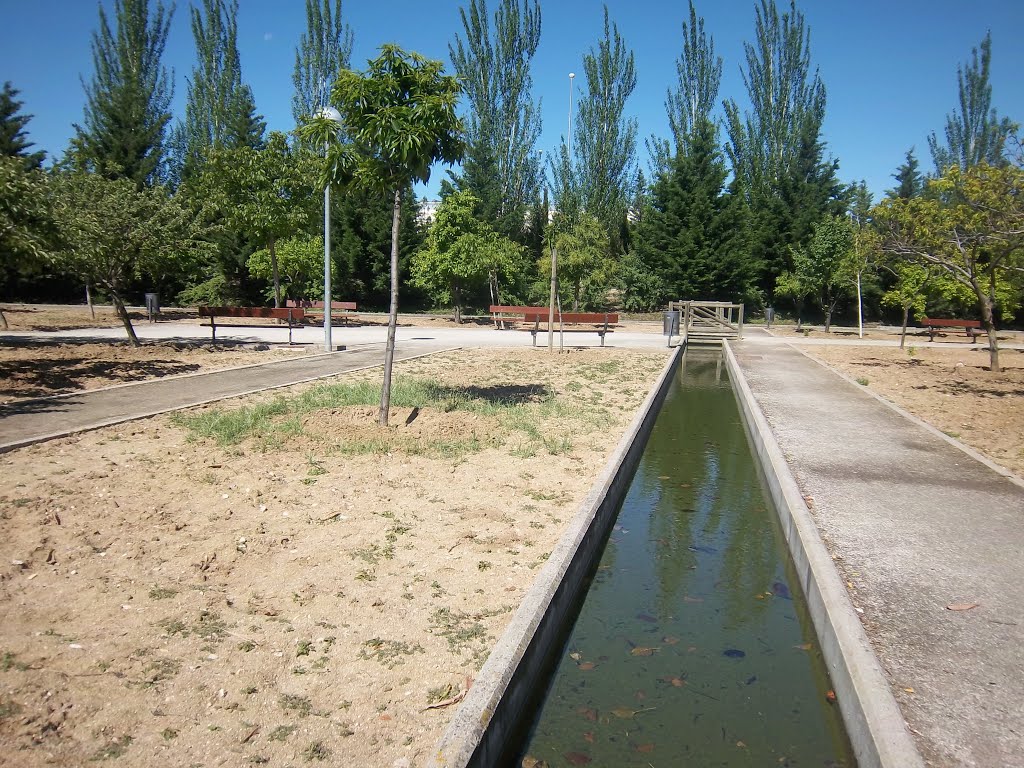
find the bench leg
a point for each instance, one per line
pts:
(213, 330)
(601, 334)
(533, 332)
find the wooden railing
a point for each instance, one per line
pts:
(708, 321)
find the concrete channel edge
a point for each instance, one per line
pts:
(874, 722)
(491, 715)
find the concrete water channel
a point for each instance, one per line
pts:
(693, 645)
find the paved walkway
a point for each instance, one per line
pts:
(917, 525)
(35, 420)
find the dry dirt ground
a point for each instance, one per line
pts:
(276, 580)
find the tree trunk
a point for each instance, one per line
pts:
(903, 330)
(389, 349)
(271, 246)
(3, 319)
(828, 320)
(860, 310)
(88, 300)
(990, 328)
(457, 296)
(115, 297)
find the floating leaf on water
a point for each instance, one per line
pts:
(961, 606)
(644, 748)
(741, 745)
(674, 681)
(647, 617)
(589, 737)
(664, 477)
(688, 599)
(578, 758)
(589, 713)
(781, 590)
(691, 648)
(734, 653)
(831, 696)
(532, 762)
(586, 666)
(575, 655)
(641, 650)
(670, 639)
(702, 548)
(803, 647)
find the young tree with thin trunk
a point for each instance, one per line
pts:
(324, 50)
(970, 228)
(128, 99)
(493, 59)
(824, 268)
(400, 119)
(975, 134)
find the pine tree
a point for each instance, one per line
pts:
(324, 50)
(220, 112)
(13, 141)
(693, 234)
(501, 168)
(975, 134)
(129, 96)
(909, 182)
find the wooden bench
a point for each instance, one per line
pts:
(599, 320)
(315, 309)
(501, 314)
(294, 315)
(971, 327)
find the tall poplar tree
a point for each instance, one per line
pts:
(324, 50)
(13, 142)
(775, 148)
(975, 134)
(220, 112)
(600, 177)
(128, 99)
(699, 76)
(501, 167)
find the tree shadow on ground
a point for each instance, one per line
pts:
(502, 394)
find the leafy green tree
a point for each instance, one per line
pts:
(128, 99)
(112, 233)
(300, 263)
(324, 50)
(13, 141)
(400, 119)
(824, 268)
(501, 167)
(909, 181)
(693, 234)
(970, 228)
(699, 76)
(267, 192)
(220, 111)
(599, 179)
(461, 252)
(581, 247)
(975, 134)
(26, 220)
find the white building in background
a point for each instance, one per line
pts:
(428, 212)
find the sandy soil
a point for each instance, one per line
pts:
(305, 594)
(952, 389)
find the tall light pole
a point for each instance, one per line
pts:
(329, 113)
(554, 251)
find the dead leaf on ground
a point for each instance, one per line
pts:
(961, 606)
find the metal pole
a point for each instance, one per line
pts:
(568, 141)
(327, 268)
(551, 301)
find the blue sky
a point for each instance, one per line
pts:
(889, 67)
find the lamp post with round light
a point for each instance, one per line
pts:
(328, 113)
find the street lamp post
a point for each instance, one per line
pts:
(330, 113)
(554, 251)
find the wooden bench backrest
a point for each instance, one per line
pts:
(279, 313)
(350, 305)
(501, 309)
(574, 317)
(950, 323)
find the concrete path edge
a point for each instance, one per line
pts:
(874, 722)
(492, 713)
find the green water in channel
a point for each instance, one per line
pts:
(693, 646)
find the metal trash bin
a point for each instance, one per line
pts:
(769, 316)
(670, 323)
(152, 306)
